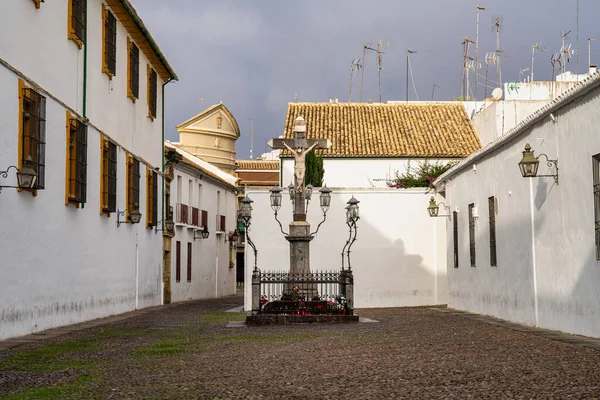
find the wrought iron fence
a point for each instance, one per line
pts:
(323, 292)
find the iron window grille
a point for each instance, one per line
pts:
(455, 231)
(134, 70)
(152, 93)
(596, 177)
(492, 212)
(152, 187)
(177, 261)
(77, 161)
(34, 133)
(133, 186)
(472, 234)
(109, 176)
(78, 18)
(189, 262)
(110, 43)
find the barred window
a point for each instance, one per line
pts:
(596, 182)
(177, 261)
(34, 133)
(76, 161)
(492, 211)
(133, 71)
(109, 34)
(472, 234)
(189, 262)
(133, 183)
(109, 176)
(77, 21)
(151, 198)
(455, 231)
(152, 83)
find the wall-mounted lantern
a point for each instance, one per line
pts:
(201, 233)
(134, 216)
(26, 176)
(529, 164)
(434, 209)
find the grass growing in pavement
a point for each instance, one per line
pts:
(213, 318)
(51, 357)
(162, 348)
(65, 390)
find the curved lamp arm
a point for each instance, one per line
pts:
(346, 245)
(352, 242)
(251, 243)
(321, 223)
(280, 226)
(550, 164)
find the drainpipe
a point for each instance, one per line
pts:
(85, 69)
(162, 146)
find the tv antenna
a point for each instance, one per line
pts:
(490, 58)
(433, 90)
(379, 53)
(465, 75)
(522, 71)
(478, 8)
(565, 52)
(251, 135)
(355, 66)
(555, 59)
(537, 47)
(497, 27)
(408, 68)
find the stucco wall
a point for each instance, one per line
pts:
(61, 264)
(211, 274)
(356, 172)
(398, 258)
(547, 273)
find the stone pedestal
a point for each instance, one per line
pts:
(299, 239)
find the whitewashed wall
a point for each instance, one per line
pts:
(398, 258)
(211, 274)
(547, 273)
(60, 264)
(357, 172)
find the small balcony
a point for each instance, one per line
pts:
(182, 214)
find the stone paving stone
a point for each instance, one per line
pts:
(185, 351)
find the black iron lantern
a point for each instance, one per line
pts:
(325, 198)
(246, 210)
(529, 163)
(134, 214)
(276, 198)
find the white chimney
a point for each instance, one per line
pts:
(592, 69)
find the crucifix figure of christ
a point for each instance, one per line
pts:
(299, 235)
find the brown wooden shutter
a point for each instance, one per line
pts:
(189, 262)
(178, 261)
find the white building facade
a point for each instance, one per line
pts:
(398, 258)
(203, 197)
(83, 102)
(527, 249)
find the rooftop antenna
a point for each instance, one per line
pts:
(465, 75)
(478, 8)
(537, 47)
(522, 71)
(408, 53)
(490, 58)
(565, 52)
(355, 66)
(378, 51)
(362, 79)
(497, 27)
(555, 59)
(251, 136)
(590, 50)
(433, 91)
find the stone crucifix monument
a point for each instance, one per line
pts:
(299, 235)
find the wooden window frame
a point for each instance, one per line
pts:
(177, 261)
(77, 25)
(189, 261)
(492, 219)
(472, 244)
(109, 43)
(596, 188)
(133, 184)
(152, 92)
(76, 158)
(151, 198)
(32, 133)
(108, 176)
(455, 236)
(133, 70)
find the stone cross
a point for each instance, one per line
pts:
(299, 236)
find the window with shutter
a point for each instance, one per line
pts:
(33, 132)
(76, 171)
(109, 43)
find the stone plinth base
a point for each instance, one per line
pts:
(275, 319)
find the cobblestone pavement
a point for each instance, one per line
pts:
(186, 351)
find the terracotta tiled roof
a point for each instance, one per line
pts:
(387, 130)
(257, 165)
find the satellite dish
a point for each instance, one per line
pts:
(497, 94)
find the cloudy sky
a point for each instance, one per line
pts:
(255, 56)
